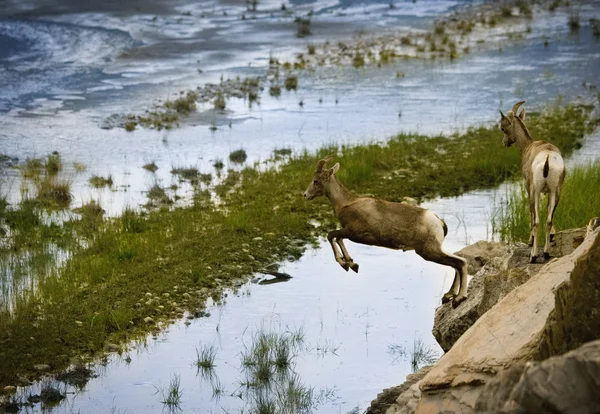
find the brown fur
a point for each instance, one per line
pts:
(376, 222)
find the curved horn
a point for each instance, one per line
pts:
(516, 107)
(322, 162)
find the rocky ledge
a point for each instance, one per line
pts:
(525, 341)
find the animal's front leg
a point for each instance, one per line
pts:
(331, 236)
(349, 260)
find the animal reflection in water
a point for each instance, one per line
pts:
(376, 222)
(278, 278)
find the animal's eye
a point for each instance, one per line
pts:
(315, 181)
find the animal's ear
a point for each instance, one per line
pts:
(335, 168)
(522, 114)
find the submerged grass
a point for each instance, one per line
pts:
(577, 206)
(112, 288)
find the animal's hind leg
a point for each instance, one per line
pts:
(437, 255)
(453, 291)
(347, 258)
(553, 198)
(535, 228)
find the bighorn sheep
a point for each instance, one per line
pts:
(376, 222)
(543, 169)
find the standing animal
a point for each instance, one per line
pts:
(543, 168)
(372, 221)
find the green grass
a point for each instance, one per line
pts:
(54, 192)
(238, 156)
(53, 164)
(97, 181)
(205, 357)
(577, 206)
(109, 271)
(171, 394)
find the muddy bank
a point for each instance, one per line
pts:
(516, 314)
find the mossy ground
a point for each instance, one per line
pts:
(159, 264)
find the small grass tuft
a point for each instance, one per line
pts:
(54, 192)
(302, 26)
(238, 156)
(97, 181)
(53, 164)
(291, 82)
(171, 395)
(151, 166)
(205, 357)
(158, 194)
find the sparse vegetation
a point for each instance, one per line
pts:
(238, 156)
(54, 192)
(171, 394)
(291, 82)
(53, 164)
(97, 181)
(275, 90)
(205, 357)
(151, 166)
(302, 26)
(219, 102)
(158, 195)
(511, 220)
(152, 251)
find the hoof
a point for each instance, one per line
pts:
(546, 255)
(458, 300)
(354, 266)
(446, 299)
(346, 266)
(532, 259)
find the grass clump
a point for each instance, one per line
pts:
(31, 168)
(219, 102)
(171, 394)
(190, 173)
(151, 166)
(205, 357)
(302, 27)
(158, 195)
(53, 164)
(275, 90)
(53, 192)
(238, 156)
(97, 181)
(184, 104)
(574, 24)
(578, 205)
(291, 82)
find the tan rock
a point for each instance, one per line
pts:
(508, 334)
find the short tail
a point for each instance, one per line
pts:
(546, 166)
(445, 227)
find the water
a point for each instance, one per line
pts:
(63, 71)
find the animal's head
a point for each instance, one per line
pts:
(321, 179)
(508, 123)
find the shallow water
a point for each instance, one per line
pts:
(392, 300)
(433, 97)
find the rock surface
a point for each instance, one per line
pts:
(569, 383)
(501, 268)
(389, 396)
(489, 368)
